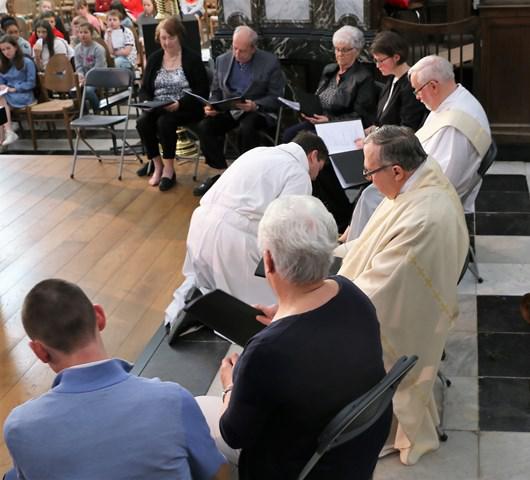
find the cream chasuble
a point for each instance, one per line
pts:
(408, 260)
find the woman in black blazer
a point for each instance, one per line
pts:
(168, 73)
(397, 103)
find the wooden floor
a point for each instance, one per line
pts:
(122, 242)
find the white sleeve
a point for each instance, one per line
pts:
(456, 156)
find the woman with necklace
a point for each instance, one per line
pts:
(169, 71)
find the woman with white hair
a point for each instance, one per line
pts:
(346, 89)
(320, 351)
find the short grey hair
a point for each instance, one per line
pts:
(300, 234)
(251, 34)
(349, 35)
(433, 67)
(399, 146)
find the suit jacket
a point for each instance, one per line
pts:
(403, 108)
(268, 81)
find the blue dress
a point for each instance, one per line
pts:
(23, 80)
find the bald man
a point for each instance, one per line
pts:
(247, 72)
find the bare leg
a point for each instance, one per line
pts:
(155, 178)
(169, 169)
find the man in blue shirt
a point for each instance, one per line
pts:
(99, 421)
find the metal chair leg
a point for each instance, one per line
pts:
(473, 265)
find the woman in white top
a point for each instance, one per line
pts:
(48, 45)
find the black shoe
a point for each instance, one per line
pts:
(146, 169)
(166, 183)
(205, 186)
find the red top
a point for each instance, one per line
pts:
(33, 37)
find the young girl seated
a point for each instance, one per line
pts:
(18, 77)
(47, 6)
(48, 45)
(81, 9)
(120, 41)
(50, 18)
(88, 54)
(148, 13)
(10, 27)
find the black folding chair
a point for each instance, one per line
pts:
(105, 79)
(484, 166)
(358, 416)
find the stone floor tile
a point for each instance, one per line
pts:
(461, 404)
(504, 279)
(502, 249)
(461, 355)
(456, 459)
(467, 318)
(504, 456)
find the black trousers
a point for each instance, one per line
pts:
(212, 132)
(159, 127)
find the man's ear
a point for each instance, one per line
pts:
(101, 318)
(399, 172)
(40, 351)
(268, 262)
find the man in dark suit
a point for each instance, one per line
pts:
(254, 75)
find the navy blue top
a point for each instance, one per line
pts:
(240, 77)
(291, 380)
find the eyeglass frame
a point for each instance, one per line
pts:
(417, 91)
(369, 173)
(379, 62)
(343, 50)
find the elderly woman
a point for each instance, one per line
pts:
(320, 351)
(397, 103)
(346, 89)
(168, 73)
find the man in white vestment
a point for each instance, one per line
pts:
(408, 260)
(456, 134)
(222, 250)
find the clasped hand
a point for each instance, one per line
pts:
(315, 118)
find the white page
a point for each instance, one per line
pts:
(340, 136)
(290, 103)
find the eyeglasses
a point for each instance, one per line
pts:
(368, 173)
(415, 92)
(343, 50)
(382, 60)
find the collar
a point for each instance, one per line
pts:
(297, 152)
(449, 99)
(410, 181)
(92, 377)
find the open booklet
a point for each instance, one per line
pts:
(347, 159)
(150, 104)
(226, 315)
(221, 105)
(308, 103)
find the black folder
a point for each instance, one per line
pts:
(333, 269)
(227, 315)
(219, 105)
(350, 164)
(309, 103)
(150, 104)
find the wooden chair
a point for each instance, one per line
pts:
(108, 56)
(58, 82)
(458, 42)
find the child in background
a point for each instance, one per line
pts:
(88, 54)
(49, 17)
(74, 30)
(120, 41)
(126, 20)
(148, 13)
(18, 77)
(47, 6)
(48, 45)
(10, 27)
(81, 9)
